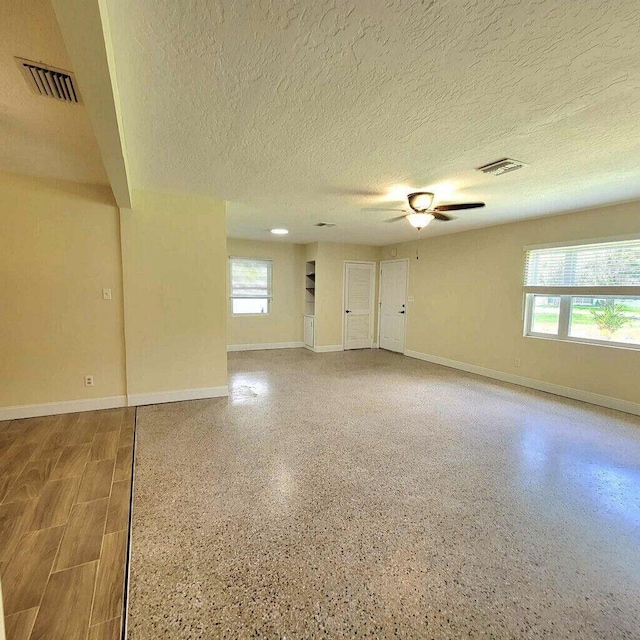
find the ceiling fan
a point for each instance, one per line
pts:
(422, 213)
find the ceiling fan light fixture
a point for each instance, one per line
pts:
(419, 220)
(420, 201)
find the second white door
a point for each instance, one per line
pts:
(393, 304)
(359, 279)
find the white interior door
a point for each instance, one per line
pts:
(393, 304)
(358, 305)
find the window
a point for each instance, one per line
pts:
(584, 293)
(250, 285)
(545, 315)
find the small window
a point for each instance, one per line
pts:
(250, 286)
(584, 293)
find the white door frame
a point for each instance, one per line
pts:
(344, 296)
(406, 295)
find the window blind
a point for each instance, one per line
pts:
(603, 265)
(250, 278)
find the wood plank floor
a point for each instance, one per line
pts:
(65, 488)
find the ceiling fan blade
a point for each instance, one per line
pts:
(442, 217)
(396, 219)
(458, 207)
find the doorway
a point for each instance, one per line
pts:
(393, 304)
(359, 293)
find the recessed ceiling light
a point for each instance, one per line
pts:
(280, 232)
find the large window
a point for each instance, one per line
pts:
(584, 293)
(250, 285)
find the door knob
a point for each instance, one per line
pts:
(401, 311)
(347, 311)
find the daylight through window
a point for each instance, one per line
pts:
(584, 293)
(250, 285)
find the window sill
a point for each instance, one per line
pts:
(248, 315)
(591, 343)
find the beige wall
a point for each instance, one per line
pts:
(469, 303)
(330, 258)
(174, 259)
(60, 248)
(283, 323)
(310, 252)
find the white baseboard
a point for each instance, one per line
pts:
(112, 402)
(160, 397)
(56, 408)
(329, 348)
(264, 345)
(539, 385)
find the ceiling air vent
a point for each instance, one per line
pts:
(50, 82)
(325, 224)
(502, 166)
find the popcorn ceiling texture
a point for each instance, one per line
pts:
(363, 494)
(300, 111)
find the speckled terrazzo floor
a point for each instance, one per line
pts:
(364, 494)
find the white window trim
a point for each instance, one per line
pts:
(251, 315)
(569, 291)
(578, 243)
(268, 297)
(564, 319)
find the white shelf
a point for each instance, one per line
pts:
(310, 289)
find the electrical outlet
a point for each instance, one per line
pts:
(88, 381)
(517, 362)
(106, 294)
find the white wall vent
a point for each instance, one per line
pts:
(501, 167)
(326, 224)
(49, 81)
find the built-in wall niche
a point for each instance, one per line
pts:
(310, 289)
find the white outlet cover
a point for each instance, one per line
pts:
(106, 294)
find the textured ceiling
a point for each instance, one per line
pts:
(40, 136)
(306, 111)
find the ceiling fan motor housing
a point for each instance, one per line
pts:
(420, 201)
